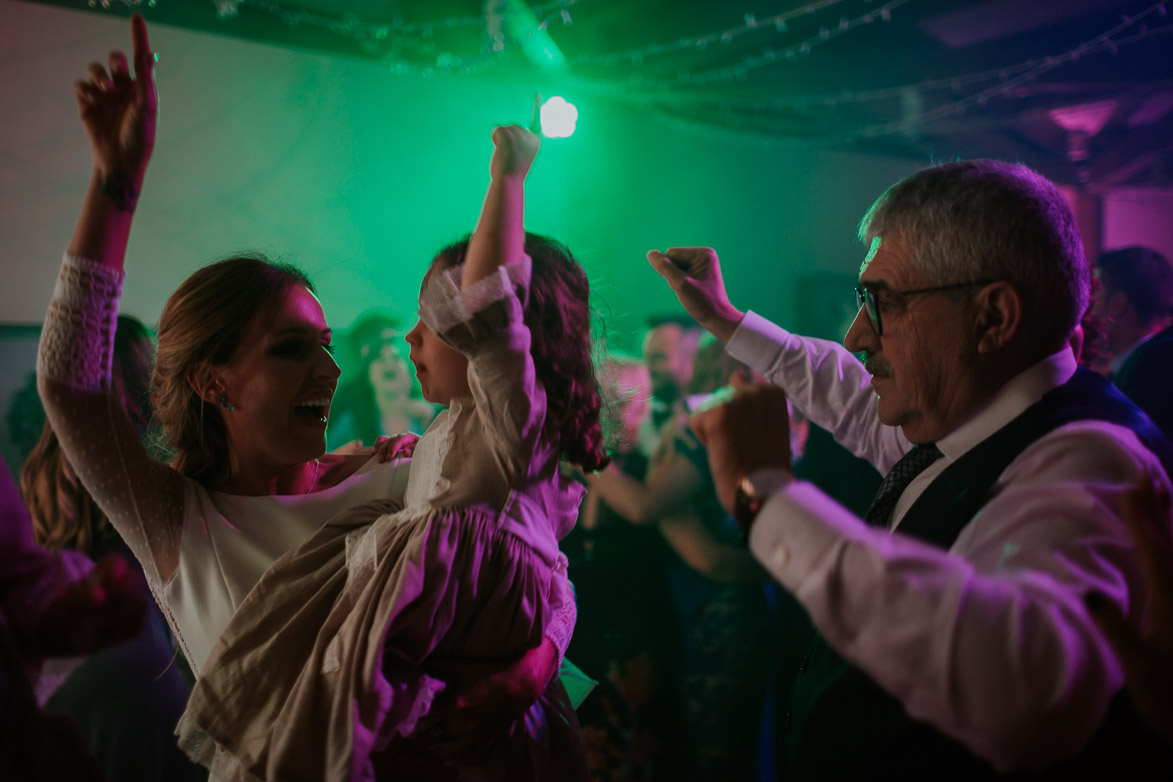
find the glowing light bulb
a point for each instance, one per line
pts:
(559, 118)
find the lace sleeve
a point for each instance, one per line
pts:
(141, 497)
(485, 323)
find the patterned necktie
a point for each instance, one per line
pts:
(896, 481)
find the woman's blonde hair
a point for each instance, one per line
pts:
(203, 322)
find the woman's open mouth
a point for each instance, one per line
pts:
(313, 411)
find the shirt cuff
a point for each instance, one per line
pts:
(797, 530)
(757, 342)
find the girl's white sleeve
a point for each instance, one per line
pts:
(485, 323)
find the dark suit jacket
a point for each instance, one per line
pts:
(1147, 379)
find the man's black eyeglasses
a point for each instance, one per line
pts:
(865, 299)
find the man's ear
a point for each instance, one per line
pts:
(999, 316)
(205, 381)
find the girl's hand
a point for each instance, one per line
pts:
(401, 446)
(118, 112)
(514, 151)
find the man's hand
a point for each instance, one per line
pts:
(747, 430)
(501, 697)
(694, 275)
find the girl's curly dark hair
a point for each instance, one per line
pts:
(558, 315)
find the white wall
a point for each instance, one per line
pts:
(358, 175)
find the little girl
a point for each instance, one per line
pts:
(336, 654)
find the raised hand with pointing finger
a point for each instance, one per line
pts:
(118, 112)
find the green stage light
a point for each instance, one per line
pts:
(559, 118)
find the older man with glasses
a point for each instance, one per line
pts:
(953, 640)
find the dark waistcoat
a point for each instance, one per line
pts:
(842, 725)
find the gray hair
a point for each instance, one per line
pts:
(988, 219)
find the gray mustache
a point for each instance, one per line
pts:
(875, 366)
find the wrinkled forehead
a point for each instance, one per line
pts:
(887, 262)
(871, 254)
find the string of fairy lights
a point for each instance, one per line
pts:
(779, 22)
(1006, 81)
(1110, 41)
(736, 114)
(676, 78)
(384, 40)
(686, 78)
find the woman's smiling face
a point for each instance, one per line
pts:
(280, 380)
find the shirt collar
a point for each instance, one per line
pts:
(1022, 391)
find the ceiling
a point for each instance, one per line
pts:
(1080, 89)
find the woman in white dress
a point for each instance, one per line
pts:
(242, 386)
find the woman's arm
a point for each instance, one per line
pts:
(672, 479)
(672, 483)
(142, 497)
(714, 560)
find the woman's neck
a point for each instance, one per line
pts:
(258, 482)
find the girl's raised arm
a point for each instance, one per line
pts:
(500, 233)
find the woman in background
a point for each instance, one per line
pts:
(378, 393)
(722, 596)
(627, 629)
(126, 699)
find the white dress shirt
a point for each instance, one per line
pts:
(988, 641)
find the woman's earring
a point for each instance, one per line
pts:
(220, 400)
